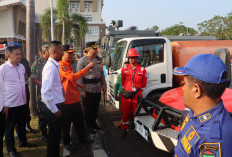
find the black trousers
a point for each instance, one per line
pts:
(2, 128)
(42, 117)
(91, 106)
(16, 116)
(73, 114)
(54, 134)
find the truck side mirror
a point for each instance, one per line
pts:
(108, 61)
(224, 54)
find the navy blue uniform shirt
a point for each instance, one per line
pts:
(206, 135)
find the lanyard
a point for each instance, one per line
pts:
(133, 74)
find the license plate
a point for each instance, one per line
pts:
(141, 130)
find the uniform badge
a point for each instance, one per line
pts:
(186, 120)
(210, 150)
(204, 117)
(189, 139)
(64, 68)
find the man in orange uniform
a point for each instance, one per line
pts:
(133, 80)
(72, 107)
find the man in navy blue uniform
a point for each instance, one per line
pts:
(206, 130)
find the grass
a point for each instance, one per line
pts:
(39, 150)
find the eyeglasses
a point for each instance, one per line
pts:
(131, 57)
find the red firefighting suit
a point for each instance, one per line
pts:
(138, 74)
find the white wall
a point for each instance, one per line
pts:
(7, 23)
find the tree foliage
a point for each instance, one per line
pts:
(218, 26)
(177, 30)
(64, 24)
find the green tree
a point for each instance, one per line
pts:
(177, 30)
(45, 23)
(80, 27)
(63, 14)
(213, 27)
(64, 24)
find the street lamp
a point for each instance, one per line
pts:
(186, 26)
(52, 26)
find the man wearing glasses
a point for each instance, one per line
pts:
(134, 79)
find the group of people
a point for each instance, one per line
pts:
(60, 91)
(58, 94)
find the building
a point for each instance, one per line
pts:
(13, 22)
(90, 9)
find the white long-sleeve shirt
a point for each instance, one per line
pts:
(12, 80)
(1, 97)
(51, 90)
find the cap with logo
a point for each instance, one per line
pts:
(92, 44)
(205, 67)
(68, 48)
(15, 45)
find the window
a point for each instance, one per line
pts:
(85, 6)
(73, 5)
(78, 5)
(118, 55)
(150, 54)
(93, 30)
(89, 18)
(90, 7)
(22, 28)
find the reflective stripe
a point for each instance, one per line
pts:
(125, 122)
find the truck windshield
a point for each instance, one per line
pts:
(118, 55)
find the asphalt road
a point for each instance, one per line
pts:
(132, 146)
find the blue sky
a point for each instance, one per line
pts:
(163, 13)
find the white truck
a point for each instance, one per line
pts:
(158, 55)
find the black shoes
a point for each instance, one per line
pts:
(70, 147)
(13, 154)
(26, 145)
(30, 130)
(124, 133)
(86, 141)
(92, 131)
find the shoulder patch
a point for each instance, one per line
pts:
(204, 117)
(64, 68)
(189, 139)
(125, 66)
(142, 68)
(210, 150)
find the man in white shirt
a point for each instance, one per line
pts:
(14, 97)
(3, 117)
(52, 96)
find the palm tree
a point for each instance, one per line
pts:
(80, 27)
(45, 23)
(64, 24)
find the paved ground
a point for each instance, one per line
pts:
(134, 145)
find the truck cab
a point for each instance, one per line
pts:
(155, 56)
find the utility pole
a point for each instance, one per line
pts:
(30, 48)
(52, 26)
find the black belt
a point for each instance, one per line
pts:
(86, 81)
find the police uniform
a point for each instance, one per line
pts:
(36, 70)
(207, 134)
(93, 80)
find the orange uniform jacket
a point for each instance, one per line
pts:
(68, 79)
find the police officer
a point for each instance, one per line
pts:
(36, 76)
(72, 111)
(94, 81)
(134, 79)
(206, 130)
